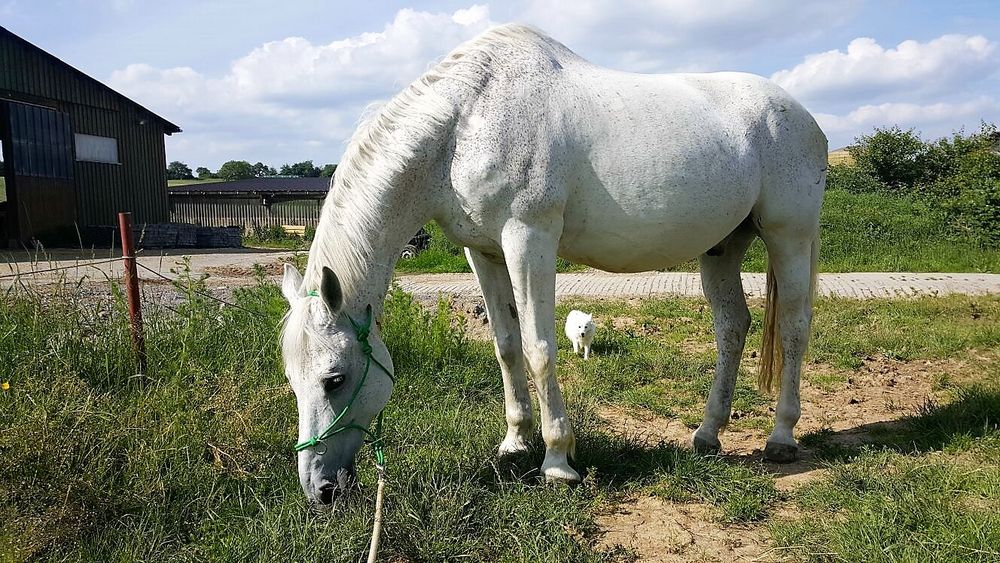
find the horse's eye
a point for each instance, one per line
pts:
(332, 383)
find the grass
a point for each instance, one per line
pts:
(172, 183)
(195, 456)
(860, 233)
(882, 233)
(905, 501)
(659, 354)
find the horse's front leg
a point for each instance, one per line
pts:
(501, 309)
(531, 261)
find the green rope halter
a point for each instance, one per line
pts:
(361, 331)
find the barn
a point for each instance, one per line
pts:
(252, 203)
(75, 151)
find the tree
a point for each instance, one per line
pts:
(305, 168)
(328, 170)
(177, 170)
(236, 170)
(260, 170)
(204, 173)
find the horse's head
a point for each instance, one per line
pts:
(340, 372)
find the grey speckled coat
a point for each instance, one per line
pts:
(523, 151)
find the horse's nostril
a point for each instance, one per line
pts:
(328, 492)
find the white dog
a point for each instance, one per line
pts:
(580, 331)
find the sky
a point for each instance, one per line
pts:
(283, 82)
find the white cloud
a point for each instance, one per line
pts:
(664, 35)
(291, 95)
(867, 71)
(932, 120)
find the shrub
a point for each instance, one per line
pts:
(851, 179)
(894, 157)
(958, 177)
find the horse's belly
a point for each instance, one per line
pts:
(636, 251)
(660, 233)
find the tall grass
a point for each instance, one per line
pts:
(193, 460)
(879, 232)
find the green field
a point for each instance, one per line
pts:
(172, 183)
(195, 456)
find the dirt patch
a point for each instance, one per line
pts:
(630, 325)
(275, 268)
(477, 322)
(471, 312)
(644, 426)
(658, 530)
(854, 406)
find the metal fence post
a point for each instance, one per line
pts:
(132, 289)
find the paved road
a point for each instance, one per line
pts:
(234, 268)
(601, 284)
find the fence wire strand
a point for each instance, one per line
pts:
(59, 268)
(139, 265)
(202, 293)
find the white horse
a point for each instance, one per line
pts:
(522, 151)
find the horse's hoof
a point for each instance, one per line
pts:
(560, 475)
(781, 453)
(512, 445)
(706, 446)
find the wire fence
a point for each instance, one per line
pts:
(205, 294)
(20, 274)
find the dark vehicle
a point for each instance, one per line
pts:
(417, 244)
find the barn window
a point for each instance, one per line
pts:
(41, 139)
(91, 148)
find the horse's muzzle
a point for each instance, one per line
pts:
(333, 488)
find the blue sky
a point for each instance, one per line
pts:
(283, 82)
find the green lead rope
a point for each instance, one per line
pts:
(375, 438)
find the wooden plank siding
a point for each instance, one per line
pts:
(29, 75)
(246, 211)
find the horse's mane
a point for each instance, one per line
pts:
(377, 154)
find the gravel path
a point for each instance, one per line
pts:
(233, 268)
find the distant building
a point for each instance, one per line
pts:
(76, 152)
(250, 203)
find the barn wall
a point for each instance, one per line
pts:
(245, 211)
(138, 184)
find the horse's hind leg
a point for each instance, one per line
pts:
(530, 252)
(720, 279)
(501, 310)
(792, 263)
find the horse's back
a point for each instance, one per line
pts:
(646, 170)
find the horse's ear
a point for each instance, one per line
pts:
(291, 285)
(330, 289)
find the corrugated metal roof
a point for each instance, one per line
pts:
(168, 126)
(316, 186)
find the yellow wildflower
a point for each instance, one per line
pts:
(5, 386)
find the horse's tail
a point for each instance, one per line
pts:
(771, 354)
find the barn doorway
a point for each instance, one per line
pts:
(38, 174)
(6, 229)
